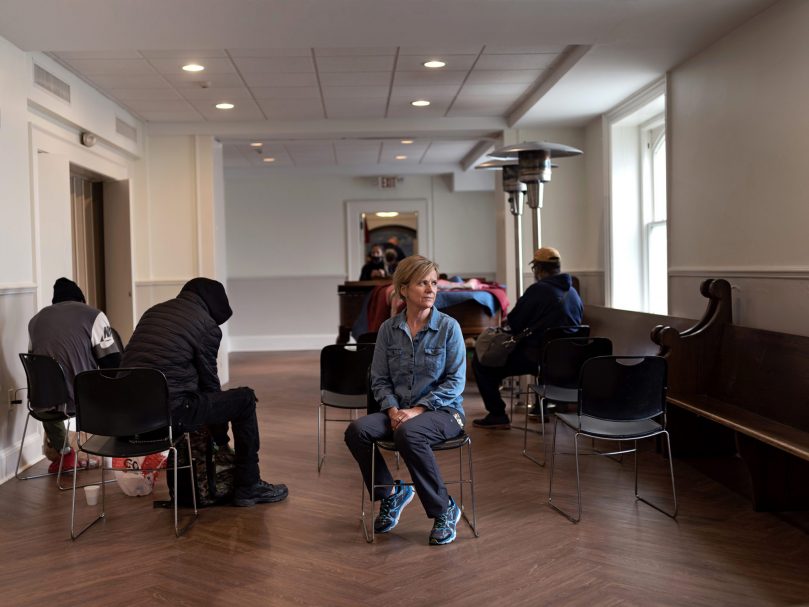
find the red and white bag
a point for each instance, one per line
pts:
(131, 477)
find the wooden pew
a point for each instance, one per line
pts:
(741, 391)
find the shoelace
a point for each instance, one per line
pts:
(386, 505)
(444, 519)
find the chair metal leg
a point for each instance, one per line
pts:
(19, 458)
(473, 524)
(320, 428)
(177, 530)
(73, 534)
(672, 514)
(578, 484)
(369, 535)
(544, 441)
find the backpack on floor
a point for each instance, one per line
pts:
(212, 487)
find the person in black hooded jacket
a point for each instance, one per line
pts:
(550, 302)
(181, 337)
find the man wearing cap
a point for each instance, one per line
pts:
(79, 337)
(550, 302)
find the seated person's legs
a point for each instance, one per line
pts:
(489, 379)
(56, 442)
(413, 439)
(359, 436)
(237, 406)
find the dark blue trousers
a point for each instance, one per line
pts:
(413, 440)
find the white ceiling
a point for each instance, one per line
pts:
(328, 83)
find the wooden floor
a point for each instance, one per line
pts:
(309, 550)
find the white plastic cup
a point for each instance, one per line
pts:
(91, 494)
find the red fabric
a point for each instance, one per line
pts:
(500, 294)
(378, 307)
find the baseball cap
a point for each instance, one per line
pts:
(546, 255)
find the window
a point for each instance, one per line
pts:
(638, 264)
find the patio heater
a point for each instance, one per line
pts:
(534, 166)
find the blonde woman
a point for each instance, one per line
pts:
(417, 377)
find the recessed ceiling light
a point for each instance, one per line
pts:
(434, 64)
(401, 157)
(269, 159)
(406, 141)
(420, 103)
(256, 144)
(387, 214)
(225, 106)
(193, 67)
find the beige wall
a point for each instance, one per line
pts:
(739, 133)
(287, 248)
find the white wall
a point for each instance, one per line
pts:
(39, 140)
(739, 147)
(287, 250)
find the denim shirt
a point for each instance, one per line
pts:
(428, 370)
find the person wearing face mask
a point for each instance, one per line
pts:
(375, 268)
(181, 337)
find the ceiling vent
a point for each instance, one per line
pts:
(126, 130)
(51, 83)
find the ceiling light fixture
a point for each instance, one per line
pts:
(256, 144)
(434, 63)
(269, 159)
(420, 103)
(225, 106)
(401, 157)
(387, 214)
(406, 141)
(193, 67)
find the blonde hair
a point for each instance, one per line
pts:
(411, 269)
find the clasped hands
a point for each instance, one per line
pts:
(400, 416)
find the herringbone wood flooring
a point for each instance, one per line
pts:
(309, 550)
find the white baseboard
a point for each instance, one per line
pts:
(275, 343)
(30, 455)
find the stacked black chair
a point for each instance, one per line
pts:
(561, 364)
(620, 398)
(343, 385)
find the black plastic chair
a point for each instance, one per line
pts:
(47, 391)
(126, 413)
(560, 367)
(367, 338)
(343, 385)
(567, 331)
(620, 398)
(459, 442)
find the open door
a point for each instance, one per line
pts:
(118, 257)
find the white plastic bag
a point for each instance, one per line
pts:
(132, 479)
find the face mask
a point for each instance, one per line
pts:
(376, 258)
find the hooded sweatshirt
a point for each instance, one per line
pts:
(550, 302)
(181, 338)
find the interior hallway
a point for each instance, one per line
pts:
(310, 550)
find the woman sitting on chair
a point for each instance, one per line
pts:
(417, 377)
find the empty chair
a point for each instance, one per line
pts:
(343, 385)
(367, 338)
(549, 335)
(126, 413)
(560, 367)
(620, 398)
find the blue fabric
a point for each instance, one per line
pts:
(428, 370)
(444, 299)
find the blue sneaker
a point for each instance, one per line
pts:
(391, 507)
(444, 526)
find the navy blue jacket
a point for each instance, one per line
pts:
(542, 306)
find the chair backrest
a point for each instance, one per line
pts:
(367, 338)
(562, 359)
(344, 368)
(623, 388)
(121, 402)
(47, 386)
(565, 332)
